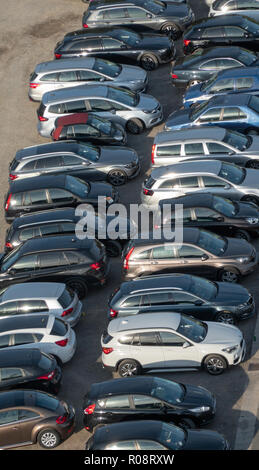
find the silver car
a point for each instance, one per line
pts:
(53, 75)
(135, 111)
(213, 176)
(248, 8)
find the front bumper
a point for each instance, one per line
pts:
(240, 355)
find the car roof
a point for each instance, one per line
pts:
(35, 290)
(76, 92)
(65, 64)
(97, 32)
(191, 200)
(20, 357)
(216, 52)
(37, 182)
(15, 398)
(121, 386)
(204, 133)
(145, 429)
(50, 147)
(54, 242)
(110, 3)
(25, 322)
(236, 72)
(220, 20)
(175, 280)
(235, 99)
(190, 235)
(153, 320)
(48, 216)
(187, 167)
(77, 118)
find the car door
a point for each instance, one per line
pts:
(236, 118)
(218, 186)
(61, 198)
(67, 79)
(222, 152)
(27, 419)
(147, 407)
(10, 377)
(178, 352)
(21, 270)
(156, 301)
(204, 217)
(115, 409)
(84, 168)
(118, 51)
(104, 108)
(196, 261)
(188, 304)
(146, 350)
(84, 48)
(51, 266)
(140, 19)
(212, 36)
(10, 431)
(211, 117)
(164, 259)
(237, 36)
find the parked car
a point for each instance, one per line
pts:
(201, 253)
(239, 111)
(44, 332)
(30, 417)
(211, 142)
(183, 293)
(168, 18)
(74, 262)
(63, 222)
(29, 368)
(88, 128)
(83, 160)
(121, 45)
(94, 3)
(146, 435)
(223, 30)
(147, 398)
(141, 343)
(202, 64)
(53, 75)
(235, 80)
(41, 297)
(248, 8)
(53, 192)
(134, 111)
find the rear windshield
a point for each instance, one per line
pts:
(149, 182)
(65, 299)
(33, 76)
(254, 103)
(13, 165)
(59, 328)
(44, 362)
(46, 401)
(95, 250)
(41, 109)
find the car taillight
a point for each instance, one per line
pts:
(62, 342)
(85, 25)
(8, 202)
(89, 410)
(107, 350)
(173, 75)
(13, 177)
(67, 312)
(127, 257)
(8, 245)
(58, 56)
(153, 154)
(113, 313)
(186, 42)
(41, 118)
(34, 85)
(61, 419)
(96, 266)
(148, 192)
(47, 376)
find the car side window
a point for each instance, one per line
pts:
(25, 263)
(205, 214)
(247, 4)
(23, 338)
(9, 373)
(148, 339)
(170, 184)
(234, 32)
(160, 298)
(210, 182)
(49, 77)
(28, 233)
(9, 416)
(187, 215)
(210, 65)
(88, 75)
(214, 32)
(49, 162)
(110, 43)
(164, 252)
(232, 5)
(71, 160)
(37, 197)
(85, 130)
(91, 44)
(143, 254)
(52, 259)
(223, 85)
(69, 76)
(138, 13)
(189, 251)
(49, 229)
(74, 257)
(121, 445)
(246, 82)
(132, 301)
(100, 105)
(27, 414)
(170, 339)
(60, 195)
(189, 182)
(194, 149)
(233, 113)
(211, 115)
(214, 147)
(168, 150)
(183, 298)
(117, 402)
(68, 227)
(4, 341)
(75, 107)
(29, 166)
(144, 402)
(32, 306)
(57, 108)
(145, 444)
(8, 308)
(115, 13)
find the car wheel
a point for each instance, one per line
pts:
(253, 164)
(242, 234)
(226, 275)
(225, 317)
(78, 286)
(117, 177)
(129, 367)
(194, 82)
(135, 126)
(252, 199)
(252, 132)
(149, 62)
(215, 364)
(49, 438)
(187, 423)
(113, 248)
(171, 29)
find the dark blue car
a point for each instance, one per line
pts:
(234, 80)
(238, 111)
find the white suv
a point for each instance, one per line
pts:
(170, 341)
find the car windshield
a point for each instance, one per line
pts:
(9, 259)
(212, 243)
(88, 151)
(77, 186)
(172, 436)
(103, 125)
(197, 109)
(106, 67)
(224, 206)
(203, 288)
(123, 96)
(168, 391)
(155, 6)
(254, 103)
(129, 37)
(192, 329)
(250, 25)
(237, 140)
(206, 85)
(247, 57)
(232, 173)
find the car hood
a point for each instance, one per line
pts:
(200, 439)
(154, 41)
(251, 180)
(147, 102)
(119, 155)
(180, 10)
(246, 209)
(238, 247)
(130, 72)
(100, 189)
(197, 396)
(254, 147)
(178, 118)
(221, 333)
(232, 294)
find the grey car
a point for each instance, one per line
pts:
(202, 176)
(248, 8)
(65, 73)
(135, 111)
(206, 142)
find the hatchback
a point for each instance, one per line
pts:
(134, 398)
(53, 191)
(44, 332)
(53, 75)
(69, 260)
(183, 293)
(201, 253)
(165, 341)
(29, 368)
(30, 417)
(240, 7)
(41, 297)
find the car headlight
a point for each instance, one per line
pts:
(200, 409)
(252, 220)
(244, 259)
(130, 165)
(231, 349)
(146, 111)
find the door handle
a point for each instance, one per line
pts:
(15, 428)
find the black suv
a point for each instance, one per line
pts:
(183, 293)
(118, 45)
(222, 30)
(75, 262)
(140, 15)
(53, 191)
(22, 368)
(134, 398)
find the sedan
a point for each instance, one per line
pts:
(248, 8)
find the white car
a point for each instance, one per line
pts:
(170, 341)
(45, 332)
(41, 297)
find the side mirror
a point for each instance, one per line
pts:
(113, 111)
(220, 218)
(204, 257)
(11, 271)
(198, 302)
(186, 345)
(148, 15)
(226, 187)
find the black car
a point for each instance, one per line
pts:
(134, 398)
(154, 435)
(80, 159)
(53, 191)
(215, 213)
(63, 222)
(183, 293)
(76, 263)
(204, 63)
(119, 45)
(22, 368)
(222, 30)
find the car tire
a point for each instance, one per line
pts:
(253, 164)
(215, 364)
(226, 317)
(149, 62)
(240, 233)
(48, 438)
(113, 248)
(117, 177)
(186, 423)
(171, 29)
(135, 126)
(129, 367)
(252, 132)
(228, 275)
(252, 199)
(79, 286)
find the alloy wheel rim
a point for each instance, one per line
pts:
(48, 439)
(225, 318)
(254, 165)
(133, 128)
(148, 63)
(117, 178)
(128, 370)
(228, 276)
(215, 365)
